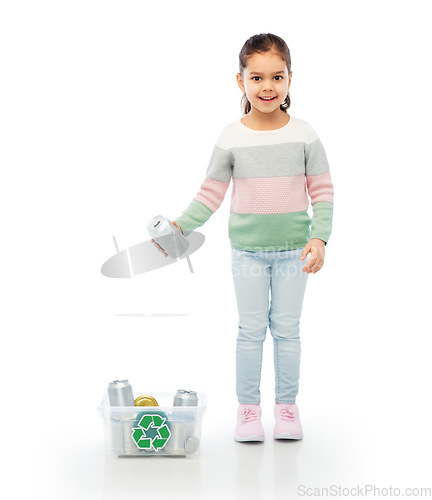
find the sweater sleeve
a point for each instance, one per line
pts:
(319, 186)
(211, 193)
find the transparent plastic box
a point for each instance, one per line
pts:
(149, 431)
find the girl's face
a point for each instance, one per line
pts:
(265, 81)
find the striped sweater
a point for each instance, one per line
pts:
(272, 172)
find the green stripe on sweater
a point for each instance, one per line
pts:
(269, 232)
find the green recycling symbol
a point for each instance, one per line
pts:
(147, 443)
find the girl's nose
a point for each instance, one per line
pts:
(267, 85)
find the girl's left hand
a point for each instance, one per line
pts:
(316, 247)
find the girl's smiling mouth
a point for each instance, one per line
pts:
(267, 98)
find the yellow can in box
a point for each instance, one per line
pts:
(146, 401)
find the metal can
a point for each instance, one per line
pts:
(163, 231)
(120, 393)
(192, 444)
(122, 425)
(182, 439)
(185, 398)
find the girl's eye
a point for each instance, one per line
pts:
(253, 78)
(278, 76)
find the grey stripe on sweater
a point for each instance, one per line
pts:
(277, 160)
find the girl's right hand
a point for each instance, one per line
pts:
(157, 244)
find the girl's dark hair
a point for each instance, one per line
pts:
(261, 43)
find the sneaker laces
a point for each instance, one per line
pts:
(287, 414)
(249, 415)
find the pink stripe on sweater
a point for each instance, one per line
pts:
(269, 195)
(320, 187)
(212, 193)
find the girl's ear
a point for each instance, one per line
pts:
(240, 82)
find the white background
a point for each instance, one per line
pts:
(109, 113)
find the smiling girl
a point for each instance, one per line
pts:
(274, 161)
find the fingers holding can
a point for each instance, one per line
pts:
(177, 226)
(159, 248)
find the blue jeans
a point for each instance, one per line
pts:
(255, 274)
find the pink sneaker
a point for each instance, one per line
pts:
(249, 427)
(287, 424)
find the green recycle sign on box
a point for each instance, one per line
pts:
(157, 442)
